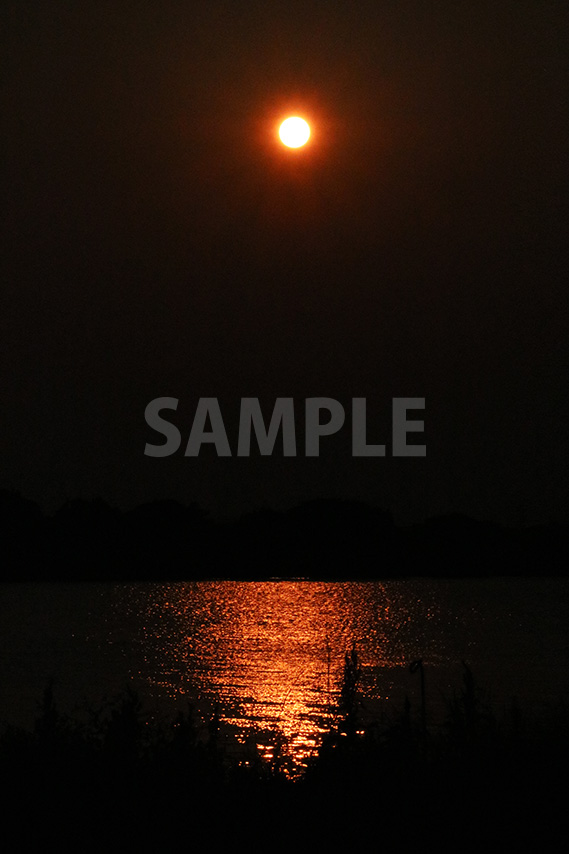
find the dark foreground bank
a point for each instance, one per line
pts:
(117, 783)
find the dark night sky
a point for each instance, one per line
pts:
(157, 241)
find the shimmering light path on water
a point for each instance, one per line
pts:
(271, 654)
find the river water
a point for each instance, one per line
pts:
(270, 655)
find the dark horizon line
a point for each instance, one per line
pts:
(11, 494)
(318, 539)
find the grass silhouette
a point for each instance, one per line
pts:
(118, 779)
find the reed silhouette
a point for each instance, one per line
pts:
(67, 778)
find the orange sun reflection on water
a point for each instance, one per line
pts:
(271, 654)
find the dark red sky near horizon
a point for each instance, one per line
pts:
(158, 241)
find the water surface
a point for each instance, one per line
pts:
(270, 655)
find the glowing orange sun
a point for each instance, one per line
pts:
(294, 132)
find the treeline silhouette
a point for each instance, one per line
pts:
(319, 539)
(120, 781)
